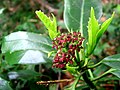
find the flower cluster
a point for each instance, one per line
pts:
(66, 45)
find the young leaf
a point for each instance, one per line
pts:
(50, 24)
(93, 28)
(95, 32)
(104, 27)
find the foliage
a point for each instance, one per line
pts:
(70, 52)
(78, 22)
(26, 49)
(18, 15)
(50, 24)
(95, 30)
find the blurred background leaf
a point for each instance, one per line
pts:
(4, 85)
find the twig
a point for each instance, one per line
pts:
(54, 81)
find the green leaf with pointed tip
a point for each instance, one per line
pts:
(104, 27)
(4, 85)
(26, 48)
(76, 14)
(93, 28)
(95, 32)
(112, 61)
(50, 24)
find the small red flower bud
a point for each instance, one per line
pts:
(66, 45)
(61, 65)
(61, 59)
(71, 62)
(70, 46)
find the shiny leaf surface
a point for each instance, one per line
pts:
(76, 14)
(26, 48)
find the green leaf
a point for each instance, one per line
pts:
(50, 24)
(112, 61)
(104, 74)
(76, 14)
(27, 57)
(109, 79)
(113, 71)
(93, 28)
(94, 32)
(116, 73)
(104, 27)
(4, 85)
(26, 48)
(26, 41)
(100, 69)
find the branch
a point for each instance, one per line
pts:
(54, 81)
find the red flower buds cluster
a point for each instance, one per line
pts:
(66, 45)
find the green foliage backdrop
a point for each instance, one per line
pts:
(19, 15)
